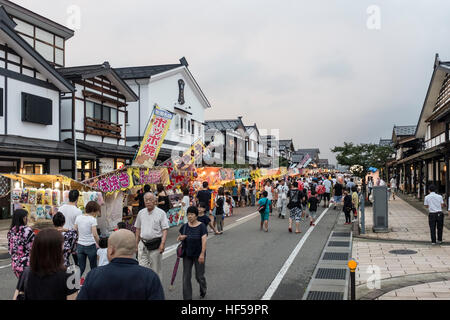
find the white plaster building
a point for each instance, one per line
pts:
(173, 88)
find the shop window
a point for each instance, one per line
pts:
(33, 168)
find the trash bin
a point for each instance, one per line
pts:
(380, 209)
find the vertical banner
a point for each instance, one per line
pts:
(153, 139)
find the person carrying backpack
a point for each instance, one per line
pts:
(264, 210)
(296, 198)
(220, 202)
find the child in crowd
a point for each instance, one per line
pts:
(121, 225)
(313, 203)
(205, 219)
(102, 253)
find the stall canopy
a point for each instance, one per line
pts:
(47, 179)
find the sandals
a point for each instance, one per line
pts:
(290, 229)
(298, 232)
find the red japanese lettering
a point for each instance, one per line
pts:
(149, 150)
(114, 183)
(160, 122)
(124, 180)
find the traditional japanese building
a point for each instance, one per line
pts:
(422, 157)
(287, 149)
(173, 88)
(96, 116)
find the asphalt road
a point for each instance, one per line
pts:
(242, 263)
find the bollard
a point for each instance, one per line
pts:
(352, 264)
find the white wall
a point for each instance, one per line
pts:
(54, 166)
(2, 119)
(164, 92)
(27, 129)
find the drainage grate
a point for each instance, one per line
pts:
(325, 295)
(341, 234)
(339, 244)
(325, 273)
(335, 256)
(403, 251)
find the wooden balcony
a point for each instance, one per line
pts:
(102, 128)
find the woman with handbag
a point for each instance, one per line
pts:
(194, 235)
(264, 210)
(46, 278)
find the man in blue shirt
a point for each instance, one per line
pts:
(122, 278)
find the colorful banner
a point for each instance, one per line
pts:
(175, 216)
(242, 174)
(127, 178)
(189, 158)
(226, 174)
(153, 139)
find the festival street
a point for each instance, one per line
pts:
(233, 158)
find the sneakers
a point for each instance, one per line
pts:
(433, 243)
(439, 242)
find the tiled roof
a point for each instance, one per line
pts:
(223, 124)
(385, 142)
(405, 130)
(91, 71)
(144, 72)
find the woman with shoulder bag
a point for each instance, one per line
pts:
(46, 278)
(194, 235)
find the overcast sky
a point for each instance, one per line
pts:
(312, 69)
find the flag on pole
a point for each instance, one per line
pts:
(154, 137)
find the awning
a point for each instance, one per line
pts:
(47, 179)
(105, 150)
(26, 147)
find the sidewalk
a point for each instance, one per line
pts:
(423, 273)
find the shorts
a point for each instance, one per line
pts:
(264, 216)
(313, 214)
(326, 196)
(296, 214)
(337, 199)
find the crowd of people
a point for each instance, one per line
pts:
(41, 260)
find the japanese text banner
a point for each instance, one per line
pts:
(153, 139)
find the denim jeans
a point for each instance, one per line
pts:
(253, 197)
(84, 252)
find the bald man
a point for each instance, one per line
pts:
(151, 233)
(123, 278)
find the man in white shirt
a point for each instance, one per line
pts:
(282, 199)
(434, 203)
(70, 210)
(151, 233)
(326, 197)
(393, 183)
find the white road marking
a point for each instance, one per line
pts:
(276, 282)
(3, 267)
(173, 248)
(248, 216)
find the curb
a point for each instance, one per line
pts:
(396, 240)
(394, 283)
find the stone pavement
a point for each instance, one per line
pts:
(423, 273)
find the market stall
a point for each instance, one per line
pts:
(42, 195)
(119, 188)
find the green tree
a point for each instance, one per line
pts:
(366, 155)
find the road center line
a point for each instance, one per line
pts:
(279, 277)
(3, 267)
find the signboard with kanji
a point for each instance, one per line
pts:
(153, 139)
